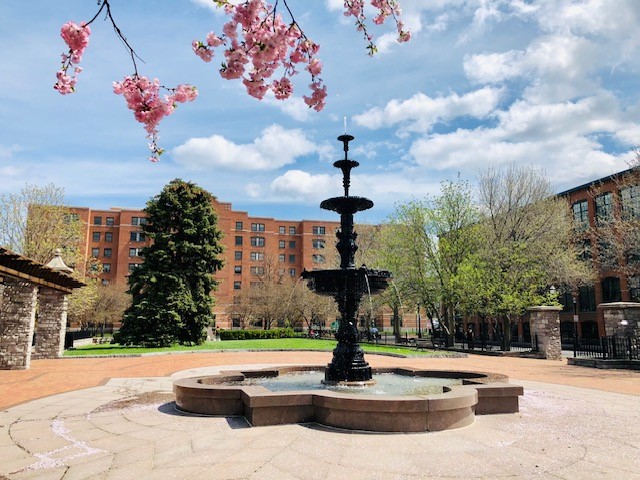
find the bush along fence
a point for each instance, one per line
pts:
(257, 334)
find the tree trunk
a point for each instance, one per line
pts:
(396, 322)
(506, 334)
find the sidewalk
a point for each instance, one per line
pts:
(117, 420)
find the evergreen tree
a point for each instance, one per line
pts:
(171, 289)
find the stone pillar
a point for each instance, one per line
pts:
(52, 324)
(545, 322)
(621, 318)
(17, 318)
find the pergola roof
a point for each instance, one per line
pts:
(16, 265)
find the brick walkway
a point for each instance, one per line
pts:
(49, 377)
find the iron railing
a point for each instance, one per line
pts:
(613, 347)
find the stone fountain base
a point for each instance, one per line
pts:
(481, 393)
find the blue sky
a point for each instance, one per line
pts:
(549, 83)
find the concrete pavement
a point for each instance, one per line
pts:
(114, 418)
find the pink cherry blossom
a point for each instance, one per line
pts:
(149, 107)
(77, 38)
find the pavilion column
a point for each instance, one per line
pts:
(545, 323)
(52, 324)
(17, 318)
(621, 318)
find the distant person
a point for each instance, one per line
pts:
(375, 333)
(470, 338)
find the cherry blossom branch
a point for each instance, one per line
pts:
(141, 94)
(258, 43)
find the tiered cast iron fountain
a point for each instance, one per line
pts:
(347, 284)
(227, 393)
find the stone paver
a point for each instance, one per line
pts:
(124, 425)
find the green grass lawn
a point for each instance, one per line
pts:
(265, 344)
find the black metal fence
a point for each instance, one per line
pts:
(529, 344)
(608, 348)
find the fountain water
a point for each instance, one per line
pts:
(347, 284)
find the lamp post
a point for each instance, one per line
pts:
(575, 326)
(419, 326)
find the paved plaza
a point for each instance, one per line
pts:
(114, 418)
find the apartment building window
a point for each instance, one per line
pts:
(108, 237)
(282, 244)
(281, 257)
(292, 259)
(257, 241)
(137, 237)
(581, 214)
(611, 290)
(95, 252)
(106, 267)
(105, 282)
(317, 258)
(257, 227)
(239, 225)
(282, 230)
(109, 222)
(292, 244)
(292, 230)
(237, 285)
(584, 250)
(237, 269)
(317, 243)
(132, 267)
(135, 252)
(96, 236)
(238, 241)
(107, 252)
(97, 220)
(138, 221)
(587, 298)
(292, 272)
(318, 230)
(634, 289)
(257, 270)
(237, 255)
(630, 202)
(604, 207)
(71, 217)
(255, 256)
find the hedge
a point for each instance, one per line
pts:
(256, 334)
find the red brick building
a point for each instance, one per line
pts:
(593, 203)
(115, 238)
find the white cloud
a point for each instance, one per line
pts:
(421, 112)
(275, 148)
(7, 152)
(563, 136)
(294, 107)
(254, 190)
(301, 185)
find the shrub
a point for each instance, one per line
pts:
(256, 334)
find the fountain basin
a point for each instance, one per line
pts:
(332, 282)
(480, 393)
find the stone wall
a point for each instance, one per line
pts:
(17, 318)
(621, 318)
(545, 322)
(52, 324)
